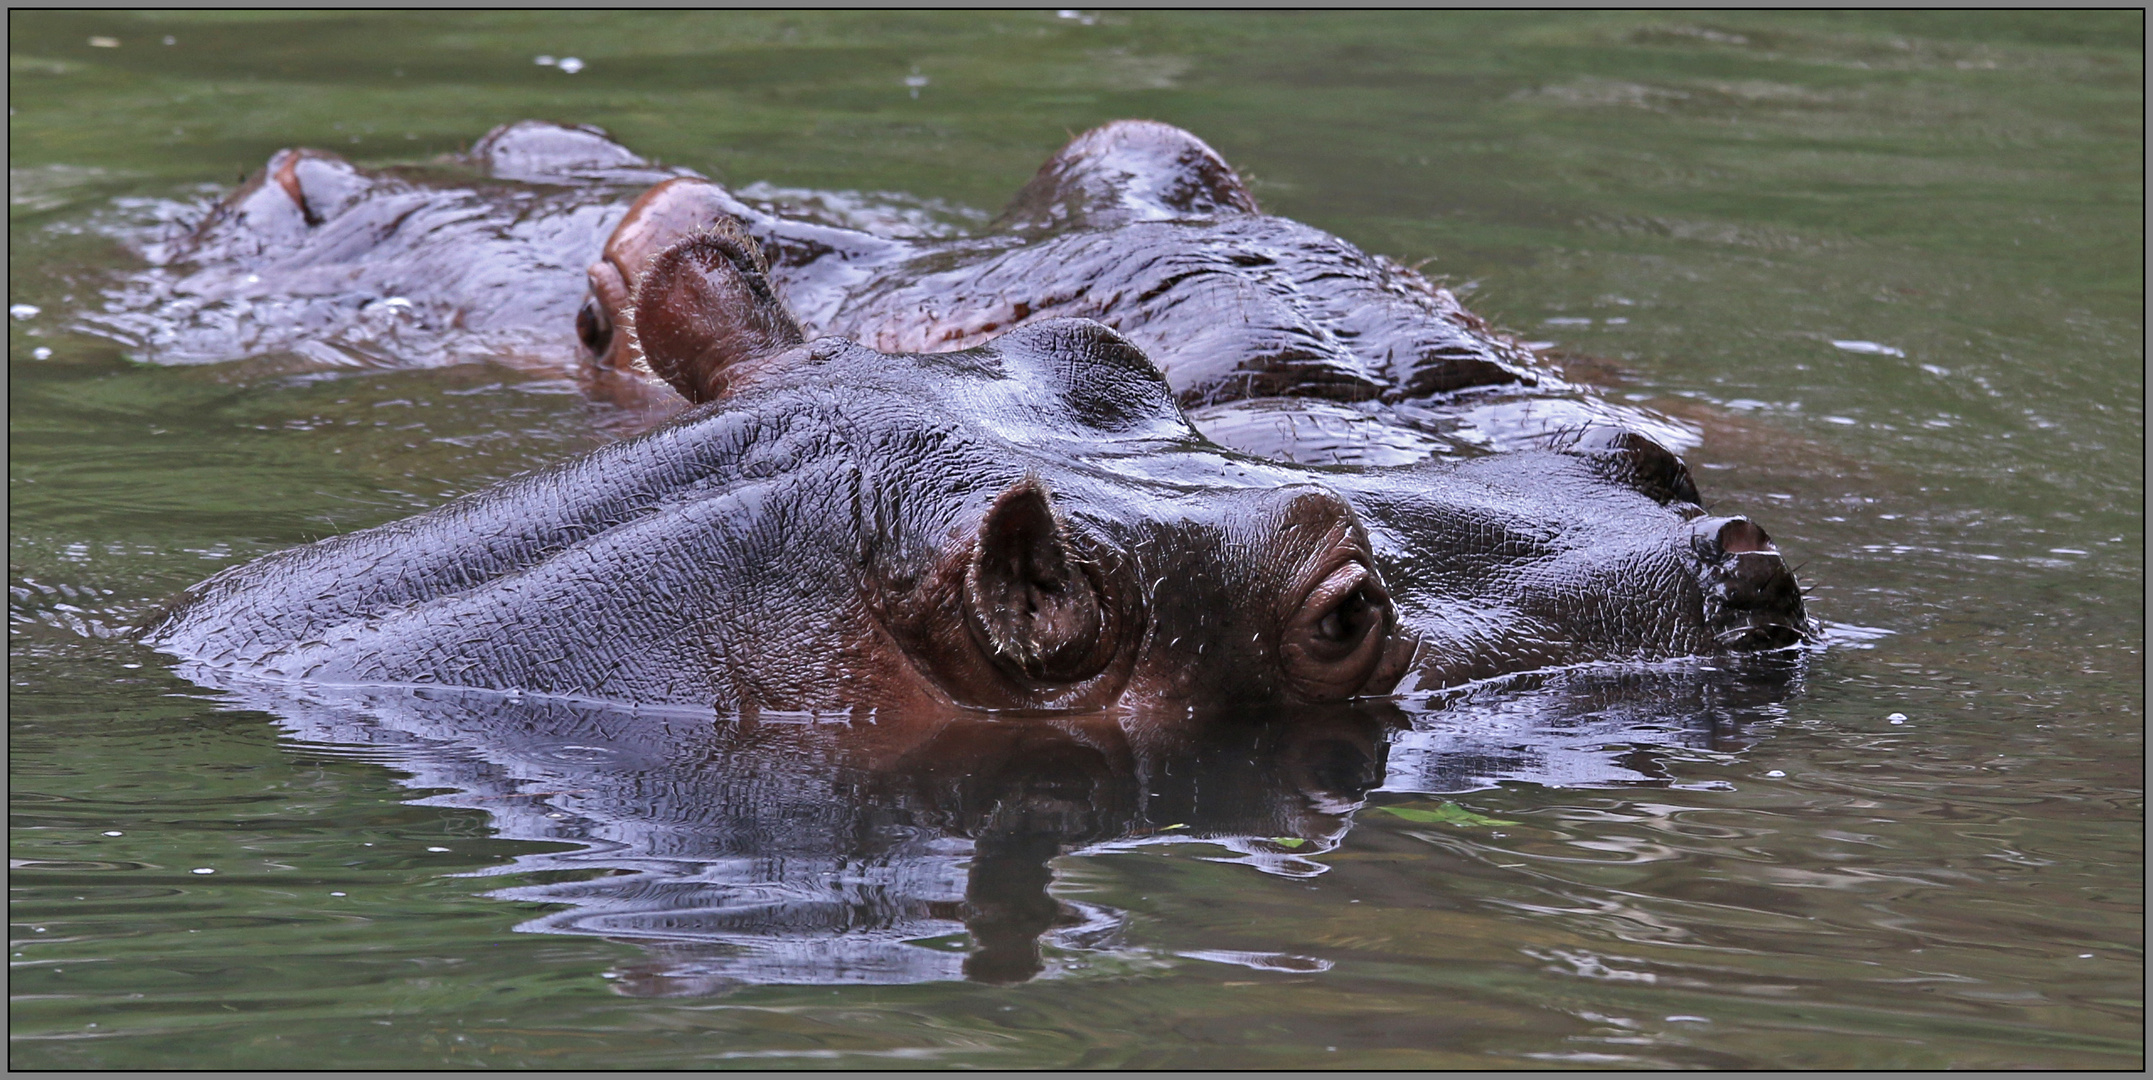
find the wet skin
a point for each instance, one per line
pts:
(1028, 522)
(1138, 225)
(1027, 525)
(316, 262)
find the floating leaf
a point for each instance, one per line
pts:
(945, 943)
(1443, 814)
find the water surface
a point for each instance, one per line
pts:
(1886, 269)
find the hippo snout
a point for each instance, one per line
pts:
(1752, 602)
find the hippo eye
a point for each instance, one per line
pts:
(594, 327)
(1332, 644)
(1349, 621)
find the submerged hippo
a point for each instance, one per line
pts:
(1278, 338)
(1027, 524)
(1138, 225)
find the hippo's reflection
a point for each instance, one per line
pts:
(880, 850)
(906, 849)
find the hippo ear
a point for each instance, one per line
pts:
(1126, 171)
(704, 305)
(321, 184)
(659, 218)
(1032, 599)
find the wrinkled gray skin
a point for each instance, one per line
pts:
(1137, 225)
(1028, 523)
(827, 535)
(315, 264)
(900, 532)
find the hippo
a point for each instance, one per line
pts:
(1278, 338)
(315, 261)
(1138, 225)
(1026, 525)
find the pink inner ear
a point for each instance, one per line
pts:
(705, 305)
(1040, 611)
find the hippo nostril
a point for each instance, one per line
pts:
(1740, 535)
(1633, 458)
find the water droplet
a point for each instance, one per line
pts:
(1869, 347)
(113, 832)
(1775, 772)
(202, 870)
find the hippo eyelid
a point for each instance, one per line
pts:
(1333, 642)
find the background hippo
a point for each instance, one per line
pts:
(1136, 224)
(1027, 524)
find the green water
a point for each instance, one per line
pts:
(1693, 208)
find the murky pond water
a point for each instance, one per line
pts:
(1885, 268)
